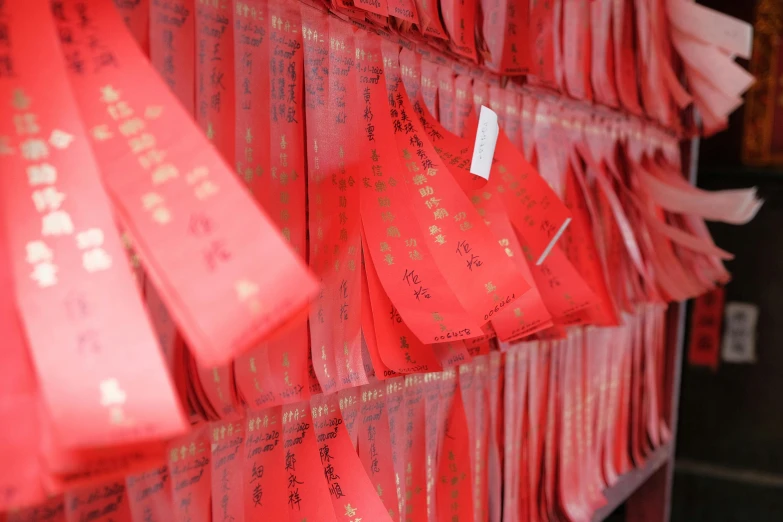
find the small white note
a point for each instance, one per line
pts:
(486, 138)
(739, 336)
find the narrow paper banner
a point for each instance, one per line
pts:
(77, 299)
(179, 200)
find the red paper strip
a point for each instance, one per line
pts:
(434, 417)
(446, 95)
(399, 349)
(189, 465)
(217, 385)
(343, 109)
(494, 420)
(215, 108)
(533, 207)
(481, 445)
(512, 405)
(227, 465)
(172, 40)
(563, 290)
(414, 477)
(375, 446)
(307, 492)
(459, 18)
(580, 247)
(454, 475)
(264, 489)
(76, 295)
(506, 34)
(335, 247)
(322, 208)
(270, 158)
(19, 426)
(624, 59)
(576, 48)
(512, 112)
(473, 264)
(492, 211)
(602, 70)
(424, 301)
(349, 411)
(429, 85)
(397, 410)
(353, 494)
(480, 97)
(497, 104)
(528, 314)
(250, 371)
(252, 92)
(464, 102)
(542, 41)
(205, 216)
(382, 371)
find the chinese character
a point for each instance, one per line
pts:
(215, 253)
(153, 112)
(109, 94)
(111, 393)
(141, 143)
(26, 123)
(205, 190)
(131, 126)
(38, 251)
(45, 274)
(60, 139)
(101, 133)
(151, 157)
(336, 490)
(292, 481)
(120, 111)
(96, 260)
(294, 499)
(34, 149)
(290, 460)
(256, 473)
(89, 238)
(47, 199)
(57, 223)
(257, 494)
(43, 174)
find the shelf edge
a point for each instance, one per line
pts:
(632, 481)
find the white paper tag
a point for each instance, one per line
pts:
(486, 139)
(739, 336)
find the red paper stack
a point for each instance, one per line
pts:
(323, 262)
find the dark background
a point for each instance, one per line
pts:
(729, 460)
